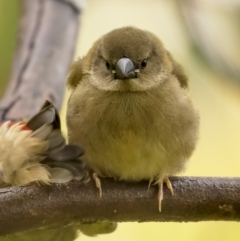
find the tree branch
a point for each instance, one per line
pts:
(195, 199)
(46, 39)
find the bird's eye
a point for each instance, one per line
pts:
(107, 65)
(144, 63)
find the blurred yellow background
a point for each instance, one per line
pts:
(204, 38)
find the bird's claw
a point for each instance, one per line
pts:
(169, 185)
(98, 183)
(160, 191)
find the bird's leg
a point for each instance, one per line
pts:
(97, 182)
(160, 191)
(150, 182)
(160, 195)
(169, 185)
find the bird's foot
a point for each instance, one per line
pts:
(160, 195)
(169, 185)
(97, 182)
(160, 191)
(150, 182)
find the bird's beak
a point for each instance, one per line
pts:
(125, 69)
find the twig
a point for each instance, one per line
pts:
(195, 199)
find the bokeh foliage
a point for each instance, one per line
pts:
(9, 15)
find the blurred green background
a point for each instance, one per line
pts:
(9, 13)
(204, 38)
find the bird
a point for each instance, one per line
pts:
(130, 109)
(36, 151)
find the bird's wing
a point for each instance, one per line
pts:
(75, 73)
(179, 72)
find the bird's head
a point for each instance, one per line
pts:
(126, 59)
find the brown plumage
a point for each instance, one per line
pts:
(130, 109)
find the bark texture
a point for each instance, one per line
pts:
(196, 199)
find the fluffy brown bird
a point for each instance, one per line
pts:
(130, 109)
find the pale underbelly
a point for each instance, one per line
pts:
(129, 159)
